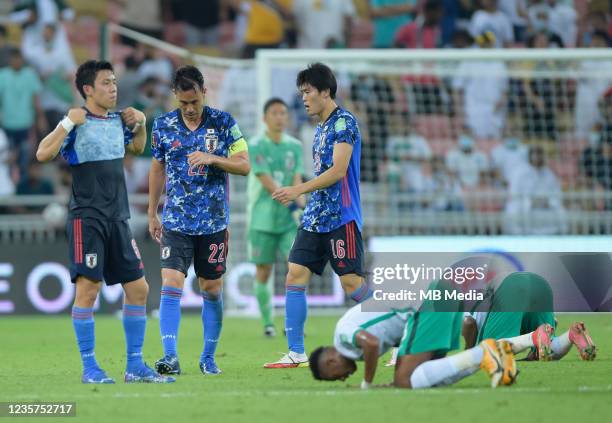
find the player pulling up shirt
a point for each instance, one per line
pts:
(94, 140)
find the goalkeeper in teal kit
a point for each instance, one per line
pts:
(276, 161)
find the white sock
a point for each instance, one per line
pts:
(448, 370)
(521, 342)
(561, 345)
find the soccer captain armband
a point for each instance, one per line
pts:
(238, 146)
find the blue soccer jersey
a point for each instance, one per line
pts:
(95, 151)
(197, 198)
(340, 203)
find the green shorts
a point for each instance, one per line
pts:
(262, 246)
(431, 331)
(437, 331)
(522, 302)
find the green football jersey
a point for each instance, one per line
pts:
(282, 162)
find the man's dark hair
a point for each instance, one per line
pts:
(87, 72)
(313, 362)
(3, 31)
(187, 78)
(271, 102)
(319, 76)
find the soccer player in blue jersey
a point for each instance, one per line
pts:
(331, 225)
(93, 140)
(195, 148)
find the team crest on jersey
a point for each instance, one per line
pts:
(211, 139)
(165, 252)
(91, 260)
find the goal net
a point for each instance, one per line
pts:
(470, 141)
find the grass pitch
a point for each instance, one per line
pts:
(39, 362)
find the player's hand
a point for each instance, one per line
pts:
(199, 158)
(131, 117)
(155, 228)
(77, 115)
(285, 195)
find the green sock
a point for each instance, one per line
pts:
(264, 298)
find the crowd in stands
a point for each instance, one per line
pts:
(480, 131)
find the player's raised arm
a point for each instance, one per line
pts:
(136, 121)
(341, 160)
(237, 163)
(370, 346)
(52, 143)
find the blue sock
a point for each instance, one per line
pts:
(169, 317)
(134, 324)
(362, 293)
(83, 323)
(295, 317)
(212, 320)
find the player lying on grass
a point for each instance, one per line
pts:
(359, 335)
(527, 329)
(427, 337)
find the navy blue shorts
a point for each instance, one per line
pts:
(208, 253)
(103, 250)
(342, 247)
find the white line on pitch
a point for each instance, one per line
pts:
(339, 392)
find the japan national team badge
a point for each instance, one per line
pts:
(165, 252)
(211, 139)
(91, 260)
